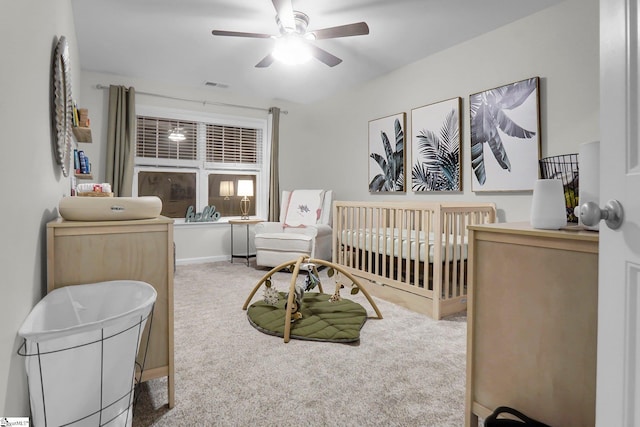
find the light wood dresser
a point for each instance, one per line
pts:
(532, 323)
(81, 252)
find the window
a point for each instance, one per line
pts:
(204, 166)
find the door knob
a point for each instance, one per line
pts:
(590, 214)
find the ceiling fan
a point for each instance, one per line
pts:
(293, 42)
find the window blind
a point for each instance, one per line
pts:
(230, 144)
(152, 139)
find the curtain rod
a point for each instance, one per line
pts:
(220, 104)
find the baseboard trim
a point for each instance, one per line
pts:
(202, 260)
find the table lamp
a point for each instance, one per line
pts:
(226, 189)
(245, 189)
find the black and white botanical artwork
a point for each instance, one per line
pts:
(435, 147)
(386, 154)
(505, 141)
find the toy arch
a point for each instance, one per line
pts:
(294, 276)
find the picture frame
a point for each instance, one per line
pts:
(505, 137)
(387, 148)
(436, 152)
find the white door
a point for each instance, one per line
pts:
(618, 378)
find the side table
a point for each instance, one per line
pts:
(246, 222)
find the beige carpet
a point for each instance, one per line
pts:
(407, 370)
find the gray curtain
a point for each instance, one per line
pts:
(274, 178)
(121, 139)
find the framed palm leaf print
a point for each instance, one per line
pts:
(435, 147)
(505, 137)
(387, 154)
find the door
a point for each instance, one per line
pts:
(618, 377)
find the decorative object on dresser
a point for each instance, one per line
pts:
(548, 208)
(564, 167)
(412, 253)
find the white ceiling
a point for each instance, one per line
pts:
(171, 41)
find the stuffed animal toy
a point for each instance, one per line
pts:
(297, 304)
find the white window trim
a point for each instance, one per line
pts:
(202, 168)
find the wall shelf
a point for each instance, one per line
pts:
(82, 134)
(83, 175)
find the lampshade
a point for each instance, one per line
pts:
(226, 189)
(548, 210)
(245, 187)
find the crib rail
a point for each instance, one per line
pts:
(420, 248)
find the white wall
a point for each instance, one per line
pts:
(560, 45)
(33, 182)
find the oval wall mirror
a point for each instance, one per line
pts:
(62, 108)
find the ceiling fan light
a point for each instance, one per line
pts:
(291, 49)
(177, 134)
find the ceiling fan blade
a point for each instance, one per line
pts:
(284, 10)
(266, 61)
(324, 56)
(240, 34)
(357, 29)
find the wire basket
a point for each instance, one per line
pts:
(565, 168)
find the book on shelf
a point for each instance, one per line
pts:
(75, 115)
(76, 161)
(85, 167)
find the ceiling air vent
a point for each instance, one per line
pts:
(216, 84)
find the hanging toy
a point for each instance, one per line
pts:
(336, 295)
(296, 305)
(312, 280)
(271, 294)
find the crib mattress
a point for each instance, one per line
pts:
(412, 245)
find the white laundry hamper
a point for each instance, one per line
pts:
(80, 347)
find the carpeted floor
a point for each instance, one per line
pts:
(407, 369)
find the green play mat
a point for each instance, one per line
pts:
(322, 320)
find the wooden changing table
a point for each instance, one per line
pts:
(532, 323)
(95, 251)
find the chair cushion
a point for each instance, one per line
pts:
(291, 242)
(303, 208)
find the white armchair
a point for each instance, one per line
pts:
(304, 229)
